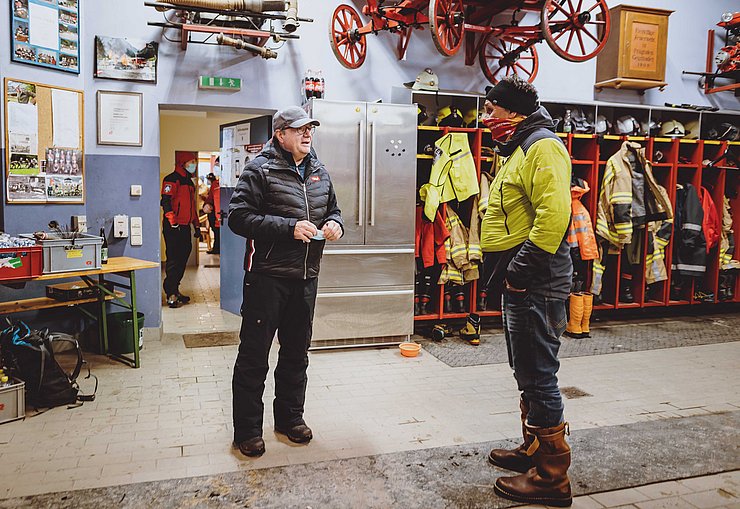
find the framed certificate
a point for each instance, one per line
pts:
(120, 118)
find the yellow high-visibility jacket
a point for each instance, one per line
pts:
(453, 174)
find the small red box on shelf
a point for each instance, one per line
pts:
(21, 262)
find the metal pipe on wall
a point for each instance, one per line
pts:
(235, 5)
(240, 44)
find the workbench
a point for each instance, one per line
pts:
(122, 266)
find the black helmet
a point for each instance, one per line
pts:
(449, 116)
(724, 131)
(580, 122)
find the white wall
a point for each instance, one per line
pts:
(275, 83)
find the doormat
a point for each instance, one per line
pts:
(211, 339)
(211, 266)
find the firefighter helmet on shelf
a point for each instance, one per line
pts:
(627, 125)
(470, 117)
(580, 122)
(426, 80)
(651, 128)
(672, 129)
(422, 116)
(449, 116)
(603, 126)
(724, 131)
(693, 130)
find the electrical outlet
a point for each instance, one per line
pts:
(120, 226)
(137, 231)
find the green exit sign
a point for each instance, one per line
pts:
(219, 83)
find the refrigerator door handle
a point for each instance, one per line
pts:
(361, 169)
(372, 173)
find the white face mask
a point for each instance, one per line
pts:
(191, 167)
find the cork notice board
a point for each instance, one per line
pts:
(44, 137)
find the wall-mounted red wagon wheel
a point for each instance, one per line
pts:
(576, 30)
(348, 45)
(506, 55)
(446, 20)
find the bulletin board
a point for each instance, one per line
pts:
(44, 140)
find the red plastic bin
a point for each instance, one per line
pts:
(21, 262)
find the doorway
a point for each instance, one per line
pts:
(197, 129)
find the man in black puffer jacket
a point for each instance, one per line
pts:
(285, 205)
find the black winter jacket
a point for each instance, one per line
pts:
(689, 244)
(269, 199)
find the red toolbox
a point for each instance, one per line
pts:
(21, 262)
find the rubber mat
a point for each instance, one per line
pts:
(604, 459)
(614, 338)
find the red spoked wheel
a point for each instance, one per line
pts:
(503, 56)
(348, 45)
(446, 20)
(576, 30)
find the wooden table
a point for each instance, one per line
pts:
(122, 266)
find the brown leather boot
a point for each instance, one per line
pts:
(515, 459)
(547, 482)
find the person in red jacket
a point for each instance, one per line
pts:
(178, 204)
(212, 207)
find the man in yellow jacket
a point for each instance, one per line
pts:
(525, 229)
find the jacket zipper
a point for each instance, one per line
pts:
(269, 251)
(501, 196)
(308, 216)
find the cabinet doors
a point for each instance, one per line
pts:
(340, 143)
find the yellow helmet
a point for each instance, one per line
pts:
(470, 117)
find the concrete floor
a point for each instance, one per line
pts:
(167, 426)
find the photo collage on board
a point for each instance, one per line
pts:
(33, 40)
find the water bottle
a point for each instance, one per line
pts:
(567, 122)
(103, 248)
(319, 85)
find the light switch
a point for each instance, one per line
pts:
(137, 232)
(120, 226)
(135, 189)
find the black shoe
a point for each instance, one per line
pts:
(252, 447)
(213, 252)
(173, 301)
(184, 299)
(300, 433)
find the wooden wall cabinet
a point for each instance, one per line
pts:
(635, 54)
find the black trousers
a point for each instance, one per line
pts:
(272, 304)
(216, 233)
(177, 250)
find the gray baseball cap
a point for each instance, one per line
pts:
(291, 117)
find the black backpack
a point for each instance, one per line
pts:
(29, 355)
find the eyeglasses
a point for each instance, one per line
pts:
(306, 129)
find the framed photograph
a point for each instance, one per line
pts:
(120, 118)
(45, 33)
(126, 59)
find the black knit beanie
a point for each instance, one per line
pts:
(514, 94)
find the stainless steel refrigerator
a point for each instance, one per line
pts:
(366, 283)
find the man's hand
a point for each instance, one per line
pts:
(515, 290)
(207, 208)
(304, 230)
(332, 230)
(197, 233)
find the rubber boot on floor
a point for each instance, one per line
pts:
(573, 329)
(471, 331)
(588, 306)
